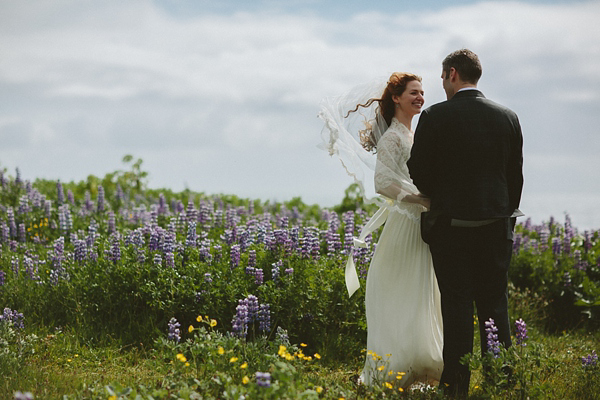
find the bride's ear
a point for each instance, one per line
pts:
(395, 99)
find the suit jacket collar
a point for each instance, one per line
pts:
(467, 93)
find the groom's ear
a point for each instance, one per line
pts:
(454, 76)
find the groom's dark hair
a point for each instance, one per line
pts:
(466, 63)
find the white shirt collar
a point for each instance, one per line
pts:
(467, 88)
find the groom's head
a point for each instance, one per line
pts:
(460, 68)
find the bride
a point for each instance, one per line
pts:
(404, 323)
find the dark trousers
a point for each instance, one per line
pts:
(471, 266)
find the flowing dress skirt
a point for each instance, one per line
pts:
(404, 321)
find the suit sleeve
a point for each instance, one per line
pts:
(515, 167)
(421, 163)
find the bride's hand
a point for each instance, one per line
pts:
(418, 199)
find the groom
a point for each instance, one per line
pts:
(467, 157)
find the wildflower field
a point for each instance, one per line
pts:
(109, 289)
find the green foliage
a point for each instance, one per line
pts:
(112, 278)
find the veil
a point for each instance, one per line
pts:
(341, 135)
(375, 174)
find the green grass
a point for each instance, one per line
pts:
(65, 365)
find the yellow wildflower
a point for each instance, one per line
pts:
(317, 356)
(199, 318)
(113, 397)
(181, 357)
(303, 344)
(388, 355)
(213, 322)
(69, 360)
(381, 368)
(282, 350)
(187, 364)
(244, 365)
(400, 390)
(233, 359)
(191, 329)
(221, 350)
(388, 385)
(319, 389)
(245, 380)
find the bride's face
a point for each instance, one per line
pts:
(411, 101)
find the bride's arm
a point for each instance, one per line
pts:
(387, 173)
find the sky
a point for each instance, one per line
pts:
(223, 96)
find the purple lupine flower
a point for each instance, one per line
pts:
(253, 307)
(24, 207)
(218, 252)
(119, 193)
(2, 275)
(5, 232)
(556, 249)
(80, 250)
(92, 233)
(567, 244)
(13, 245)
(30, 268)
(18, 177)
(157, 259)
(14, 264)
(289, 271)
(12, 317)
(71, 197)
(204, 214)
(48, 208)
(60, 194)
(258, 276)
(208, 277)
(12, 225)
(100, 199)
(275, 271)
(252, 258)
(521, 332)
(170, 260)
(174, 332)
(87, 201)
(191, 234)
(234, 257)
(155, 237)
(517, 243)
(493, 345)
(587, 242)
(261, 234)
(240, 321)
(204, 251)
(264, 318)
(191, 214)
(115, 249)
(22, 233)
(544, 236)
(58, 254)
(111, 223)
(590, 361)
(263, 379)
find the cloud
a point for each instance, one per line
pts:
(228, 101)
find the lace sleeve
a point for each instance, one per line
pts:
(391, 175)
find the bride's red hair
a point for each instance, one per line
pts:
(395, 87)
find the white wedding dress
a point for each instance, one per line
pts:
(404, 321)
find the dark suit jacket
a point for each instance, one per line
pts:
(468, 157)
